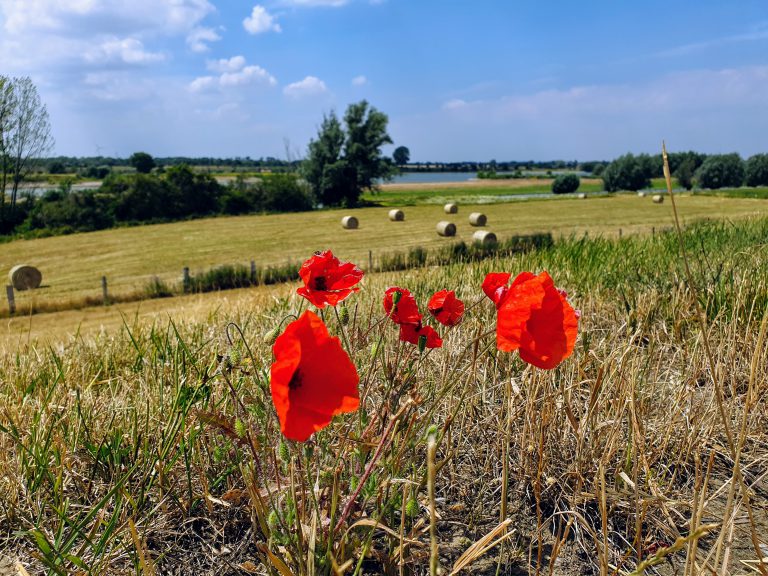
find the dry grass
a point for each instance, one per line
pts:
(153, 449)
(72, 266)
(512, 183)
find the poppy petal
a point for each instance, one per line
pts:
(446, 308)
(406, 311)
(312, 378)
(411, 333)
(495, 286)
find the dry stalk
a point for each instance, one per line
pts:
(434, 559)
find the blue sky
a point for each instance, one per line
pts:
(459, 80)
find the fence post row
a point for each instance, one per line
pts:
(11, 300)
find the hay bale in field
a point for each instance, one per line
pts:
(445, 228)
(349, 222)
(641, 194)
(477, 219)
(484, 237)
(658, 199)
(451, 208)
(25, 277)
(396, 215)
(581, 196)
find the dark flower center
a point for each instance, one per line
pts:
(320, 283)
(295, 380)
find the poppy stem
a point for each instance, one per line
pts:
(350, 505)
(343, 331)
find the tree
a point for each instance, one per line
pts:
(565, 184)
(625, 173)
(721, 171)
(343, 162)
(685, 172)
(142, 161)
(756, 170)
(401, 155)
(25, 134)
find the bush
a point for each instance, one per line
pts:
(721, 171)
(756, 170)
(565, 184)
(625, 173)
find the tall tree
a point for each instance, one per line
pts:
(25, 131)
(343, 162)
(401, 155)
(142, 161)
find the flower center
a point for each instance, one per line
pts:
(320, 283)
(295, 380)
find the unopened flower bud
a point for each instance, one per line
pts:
(375, 349)
(412, 507)
(422, 343)
(240, 429)
(270, 337)
(396, 298)
(344, 314)
(283, 452)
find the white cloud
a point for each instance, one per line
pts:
(226, 64)
(246, 76)
(231, 72)
(126, 50)
(260, 21)
(454, 104)
(310, 86)
(359, 80)
(333, 3)
(198, 39)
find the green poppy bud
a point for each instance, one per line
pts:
(284, 452)
(412, 507)
(240, 429)
(422, 343)
(344, 314)
(270, 337)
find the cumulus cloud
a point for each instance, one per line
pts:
(199, 37)
(359, 80)
(260, 21)
(41, 35)
(310, 86)
(231, 72)
(226, 64)
(454, 104)
(126, 50)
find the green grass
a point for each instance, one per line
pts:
(72, 266)
(154, 446)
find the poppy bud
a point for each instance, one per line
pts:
(272, 519)
(240, 429)
(396, 297)
(412, 507)
(375, 349)
(270, 337)
(344, 314)
(422, 343)
(283, 452)
(235, 356)
(432, 431)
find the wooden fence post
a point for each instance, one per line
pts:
(253, 272)
(104, 293)
(11, 300)
(186, 281)
(370, 261)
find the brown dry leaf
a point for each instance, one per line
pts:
(249, 567)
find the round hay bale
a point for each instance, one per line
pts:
(25, 277)
(581, 196)
(445, 228)
(477, 219)
(396, 215)
(658, 199)
(451, 208)
(641, 194)
(349, 222)
(484, 237)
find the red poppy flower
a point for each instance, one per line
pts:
(446, 308)
(535, 318)
(495, 286)
(327, 280)
(406, 310)
(312, 378)
(412, 332)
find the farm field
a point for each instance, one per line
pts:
(153, 442)
(72, 266)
